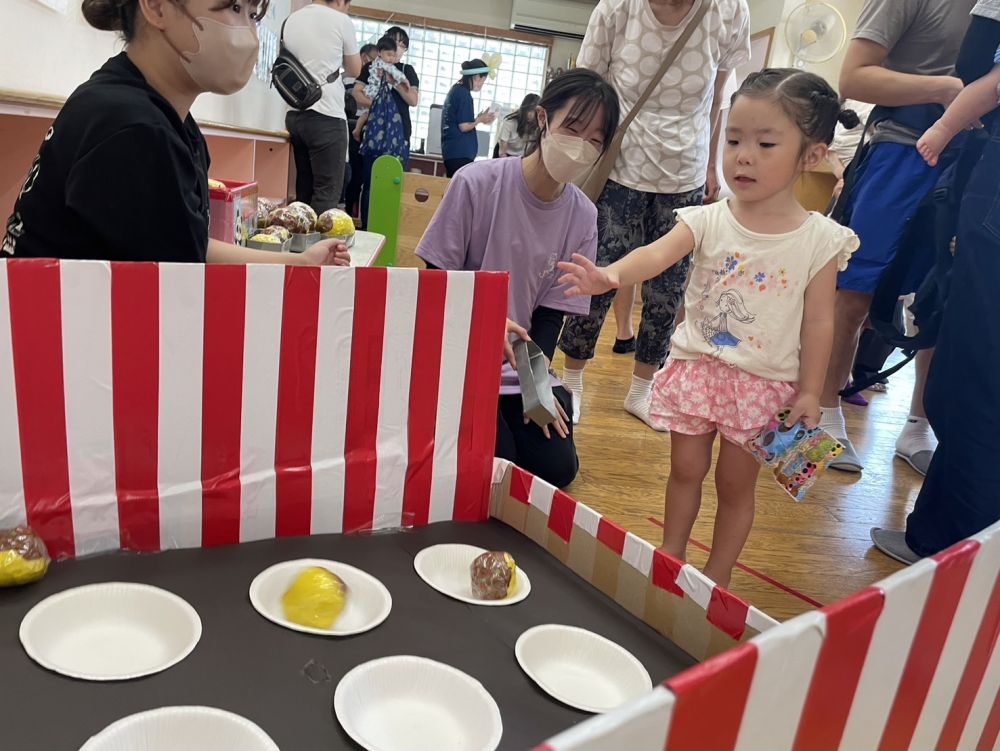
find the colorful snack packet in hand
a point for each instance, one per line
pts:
(795, 455)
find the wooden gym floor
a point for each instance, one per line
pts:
(799, 555)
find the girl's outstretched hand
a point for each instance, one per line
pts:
(582, 277)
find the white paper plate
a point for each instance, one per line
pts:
(446, 569)
(414, 704)
(368, 601)
(580, 668)
(187, 728)
(110, 632)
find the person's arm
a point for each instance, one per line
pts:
(977, 99)
(410, 92)
(595, 51)
(546, 323)
(863, 77)
(816, 343)
(836, 165)
(483, 118)
(358, 92)
(352, 65)
(323, 253)
(712, 186)
(582, 277)
(838, 169)
(351, 51)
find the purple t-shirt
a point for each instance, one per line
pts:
(490, 221)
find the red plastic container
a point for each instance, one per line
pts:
(233, 212)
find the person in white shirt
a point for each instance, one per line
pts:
(845, 143)
(667, 158)
(322, 37)
(518, 128)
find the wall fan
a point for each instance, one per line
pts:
(815, 32)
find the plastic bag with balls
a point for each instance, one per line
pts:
(23, 557)
(494, 575)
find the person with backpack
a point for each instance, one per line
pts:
(960, 495)
(321, 35)
(901, 57)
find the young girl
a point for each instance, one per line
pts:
(522, 216)
(759, 305)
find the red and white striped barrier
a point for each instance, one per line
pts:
(911, 663)
(147, 406)
(675, 598)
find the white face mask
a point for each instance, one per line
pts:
(567, 157)
(225, 58)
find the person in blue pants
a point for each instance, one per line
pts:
(961, 494)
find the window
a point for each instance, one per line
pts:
(437, 56)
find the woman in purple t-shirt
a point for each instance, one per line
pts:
(523, 216)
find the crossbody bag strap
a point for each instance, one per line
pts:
(675, 51)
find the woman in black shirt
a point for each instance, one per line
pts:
(122, 174)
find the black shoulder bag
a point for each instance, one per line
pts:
(296, 85)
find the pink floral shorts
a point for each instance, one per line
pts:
(695, 397)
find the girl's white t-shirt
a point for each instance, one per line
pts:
(508, 133)
(665, 149)
(745, 296)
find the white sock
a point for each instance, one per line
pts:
(637, 401)
(916, 436)
(639, 391)
(831, 419)
(573, 381)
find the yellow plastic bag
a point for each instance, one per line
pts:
(316, 598)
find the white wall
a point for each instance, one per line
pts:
(494, 13)
(45, 52)
(766, 13)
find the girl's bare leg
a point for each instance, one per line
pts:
(735, 482)
(690, 460)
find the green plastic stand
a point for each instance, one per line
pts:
(385, 204)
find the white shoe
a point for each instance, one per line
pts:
(916, 445)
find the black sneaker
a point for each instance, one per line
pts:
(624, 346)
